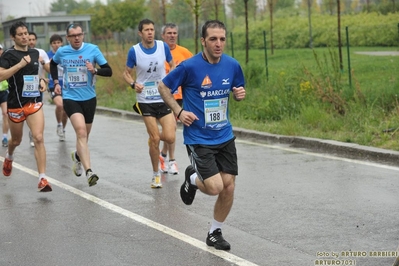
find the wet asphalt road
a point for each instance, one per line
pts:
(292, 206)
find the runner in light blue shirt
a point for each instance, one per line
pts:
(79, 60)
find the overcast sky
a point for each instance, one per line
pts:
(24, 8)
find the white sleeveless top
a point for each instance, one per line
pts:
(150, 70)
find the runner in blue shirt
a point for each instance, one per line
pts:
(207, 80)
(55, 43)
(78, 61)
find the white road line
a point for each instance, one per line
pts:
(140, 219)
(173, 233)
(320, 155)
(299, 151)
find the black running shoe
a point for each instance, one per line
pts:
(216, 240)
(187, 191)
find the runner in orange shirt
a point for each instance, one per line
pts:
(179, 54)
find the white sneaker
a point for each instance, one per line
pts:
(156, 182)
(173, 168)
(62, 137)
(60, 131)
(77, 165)
(31, 142)
(92, 179)
(163, 164)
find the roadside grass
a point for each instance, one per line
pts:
(305, 94)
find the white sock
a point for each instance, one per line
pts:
(155, 173)
(192, 179)
(42, 175)
(4, 136)
(215, 225)
(10, 157)
(60, 124)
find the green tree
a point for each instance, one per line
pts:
(195, 8)
(126, 14)
(212, 9)
(10, 17)
(64, 5)
(180, 13)
(99, 19)
(85, 7)
(154, 11)
(157, 11)
(238, 8)
(282, 4)
(341, 65)
(271, 4)
(329, 6)
(116, 17)
(246, 32)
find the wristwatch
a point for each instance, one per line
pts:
(42, 62)
(95, 71)
(133, 84)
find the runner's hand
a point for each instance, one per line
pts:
(90, 67)
(239, 93)
(25, 60)
(187, 118)
(42, 85)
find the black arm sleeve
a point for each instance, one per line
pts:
(53, 70)
(105, 70)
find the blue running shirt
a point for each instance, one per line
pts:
(206, 92)
(51, 54)
(79, 84)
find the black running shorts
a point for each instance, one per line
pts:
(211, 160)
(156, 110)
(3, 96)
(86, 108)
